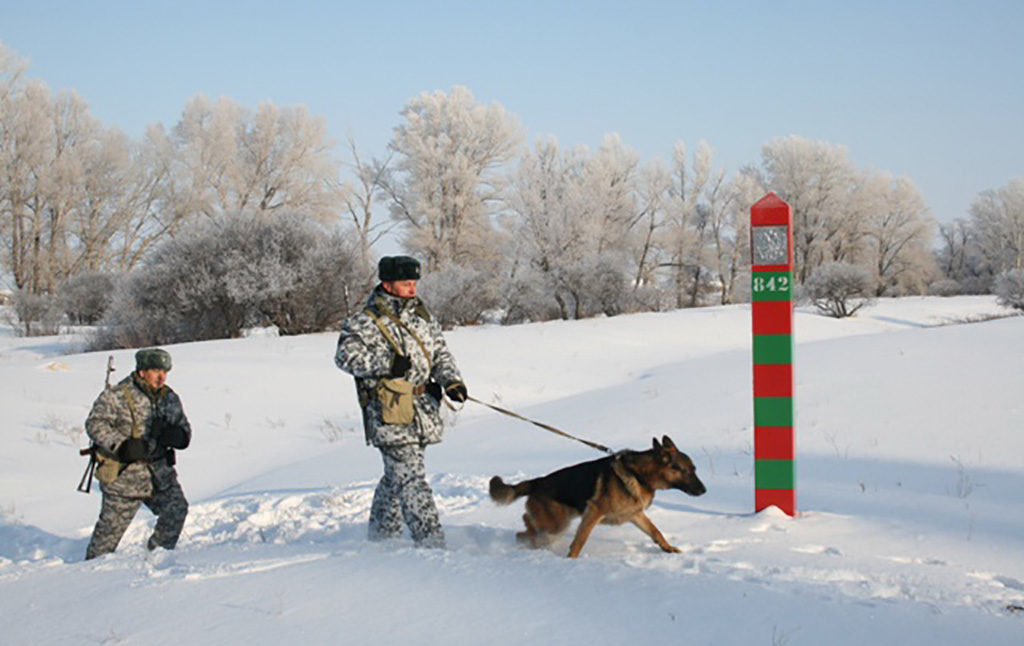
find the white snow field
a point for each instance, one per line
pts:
(910, 485)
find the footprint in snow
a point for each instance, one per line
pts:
(1008, 582)
(818, 549)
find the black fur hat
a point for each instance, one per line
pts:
(393, 268)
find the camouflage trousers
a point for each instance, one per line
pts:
(116, 514)
(403, 493)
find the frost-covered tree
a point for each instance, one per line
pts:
(78, 198)
(815, 178)
(12, 69)
(961, 258)
(101, 207)
(447, 179)
(691, 226)
(71, 131)
(69, 189)
(239, 161)
(24, 136)
(360, 194)
(548, 221)
(25, 157)
(615, 225)
(653, 185)
(158, 199)
(608, 190)
(897, 232)
(730, 235)
(48, 144)
(997, 217)
(684, 234)
(952, 254)
(575, 219)
(842, 214)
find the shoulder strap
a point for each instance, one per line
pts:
(136, 427)
(383, 330)
(387, 335)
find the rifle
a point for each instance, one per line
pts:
(85, 484)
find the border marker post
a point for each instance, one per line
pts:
(771, 248)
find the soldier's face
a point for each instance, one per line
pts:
(155, 377)
(401, 288)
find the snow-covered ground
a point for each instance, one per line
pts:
(910, 433)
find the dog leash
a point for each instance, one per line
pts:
(546, 427)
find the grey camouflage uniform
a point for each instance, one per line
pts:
(154, 482)
(365, 353)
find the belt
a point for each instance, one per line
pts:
(422, 388)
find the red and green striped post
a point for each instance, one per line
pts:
(771, 248)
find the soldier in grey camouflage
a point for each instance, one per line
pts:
(402, 365)
(135, 427)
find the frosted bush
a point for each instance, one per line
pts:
(1009, 288)
(839, 289)
(85, 297)
(459, 295)
(218, 278)
(945, 287)
(37, 314)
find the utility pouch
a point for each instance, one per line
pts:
(108, 469)
(397, 397)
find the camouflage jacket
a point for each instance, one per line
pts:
(366, 354)
(114, 415)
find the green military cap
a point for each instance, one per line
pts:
(153, 359)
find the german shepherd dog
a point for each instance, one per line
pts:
(609, 490)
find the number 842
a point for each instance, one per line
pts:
(772, 284)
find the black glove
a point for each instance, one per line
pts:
(456, 391)
(134, 449)
(399, 366)
(168, 434)
(434, 390)
(174, 436)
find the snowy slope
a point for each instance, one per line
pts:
(910, 474)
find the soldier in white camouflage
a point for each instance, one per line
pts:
(135, 427)
(402, 368)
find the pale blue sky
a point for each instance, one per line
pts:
(930, 90)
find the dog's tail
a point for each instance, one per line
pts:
(504, 494)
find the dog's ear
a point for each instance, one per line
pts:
(657, 447)
(667, 442)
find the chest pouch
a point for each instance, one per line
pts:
(397, 397)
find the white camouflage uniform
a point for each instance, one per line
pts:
(365, 353)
